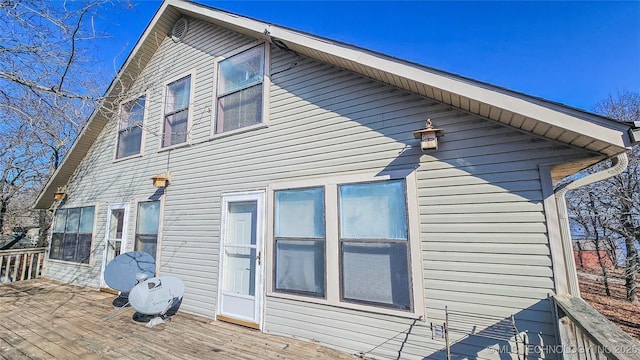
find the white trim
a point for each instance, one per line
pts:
(266, 86)
(123, 239)
(165, 84)
(562, 117)
(332, 254)
(131, 245)
(259, 197)
(553, 231)
(538, 109)
(239, 131)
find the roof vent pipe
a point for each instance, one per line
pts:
(618, 165)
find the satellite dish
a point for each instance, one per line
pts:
(121, 273)
(155, 296)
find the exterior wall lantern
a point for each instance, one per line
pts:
(60, 193)
(428, 136)
(161, 180)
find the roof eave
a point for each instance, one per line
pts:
(592, 132)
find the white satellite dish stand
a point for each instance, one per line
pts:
(156, 296)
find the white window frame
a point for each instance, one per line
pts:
(192, 74)
(142, 126)
(332, 250)
(266, 85)
(132, 244)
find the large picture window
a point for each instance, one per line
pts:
(130, 127)
(347, 242)
(72, 234)
(240, 90)
(299, 240)
(147, 225)
(176, 112)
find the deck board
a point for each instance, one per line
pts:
(44, 319)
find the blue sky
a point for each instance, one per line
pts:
(575, 53)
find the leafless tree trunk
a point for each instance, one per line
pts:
(48, 87)
(612, 212)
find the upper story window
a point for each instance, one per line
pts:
(240, 91)
(130, 127)
(72, 233)
(176, 112)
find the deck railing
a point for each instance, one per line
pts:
(21, 264)
(586, 334)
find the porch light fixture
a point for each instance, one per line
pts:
(428, 136)
(60, 193)
(161, 180)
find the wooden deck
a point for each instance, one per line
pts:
(42, 319)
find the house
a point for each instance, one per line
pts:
(293, 196)
(587, 257)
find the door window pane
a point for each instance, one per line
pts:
(299, 213)
(376, 273)
(240, 271)
(242, 223)
(116, 224)
(300, 266)
(373, 211)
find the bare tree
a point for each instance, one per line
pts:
(587, 215)
(610, 209)
(48, 87)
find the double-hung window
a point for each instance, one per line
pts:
(346, 242)
(176, 112)
(147, 225)
(72, 234)
(240, 91)
(374, 245)
(299, 241)
(130, 127)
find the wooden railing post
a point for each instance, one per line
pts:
(585, 334)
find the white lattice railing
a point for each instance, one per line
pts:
(21, 264)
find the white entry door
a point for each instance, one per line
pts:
(240, 285)
(115, 235)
